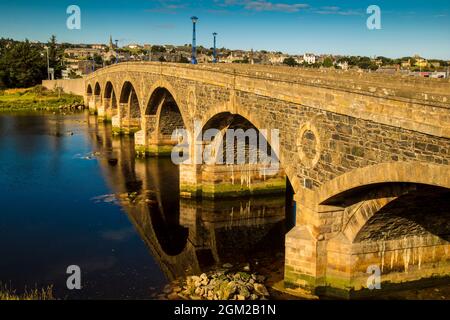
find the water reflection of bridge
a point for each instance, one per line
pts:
(185, 236)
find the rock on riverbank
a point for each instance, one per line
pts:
(219, 285)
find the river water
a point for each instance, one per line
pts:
(71, 194)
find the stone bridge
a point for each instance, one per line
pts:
(366, 155)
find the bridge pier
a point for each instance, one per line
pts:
(223, 181)
(104, 111)
(94, 103)
(328, 252)
(124, 122)
(117, 119)
(149, 142)
(130, 125)
(91, 104)
(306, 245)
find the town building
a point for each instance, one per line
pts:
(309, 58)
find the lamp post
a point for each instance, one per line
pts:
(194, 49)
(214, 48)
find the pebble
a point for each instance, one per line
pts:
(260, 289)
(173, 296)
(218, 285)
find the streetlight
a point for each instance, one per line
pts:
(214, 48)
(194, 51)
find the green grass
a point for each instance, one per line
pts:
(34, 294)
(35, 98)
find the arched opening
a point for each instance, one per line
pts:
(168, 117)
(233, 142)
(422, 212)
(129, 104)
(97, 89)
(89, 90)
(110, 98)
(401, 228)
(89, 93)
(162, 118)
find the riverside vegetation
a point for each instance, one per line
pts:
(38, 98)
(32, 294)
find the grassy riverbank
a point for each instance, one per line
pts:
(35, 98)
(34, 294)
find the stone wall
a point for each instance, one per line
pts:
(74, 86)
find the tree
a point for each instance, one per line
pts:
(98, 59)
(22, 65)
(183, 59)
(290, 62)
(55, 56)
(327, 62)
(158, 49)
(73, 75)
(385, 61)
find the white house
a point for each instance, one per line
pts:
(309, 58)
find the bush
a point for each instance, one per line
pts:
(38, 90)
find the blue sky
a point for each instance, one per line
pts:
(319, 26)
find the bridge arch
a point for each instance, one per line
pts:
(265, 170)
(130, 110)
(164, 89)
(365, 192)
(402, 225)
(97, 89)
(163, 114)
(422, 212)
(407, 172)
(111, 98)
(109, 89)
(258, 123)
(222, 121)
(127, 89)
(89, 90)
(158, 85)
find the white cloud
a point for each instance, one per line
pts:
(263, 5)
(338, 11)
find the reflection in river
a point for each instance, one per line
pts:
(73, 194)
(188, 236)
